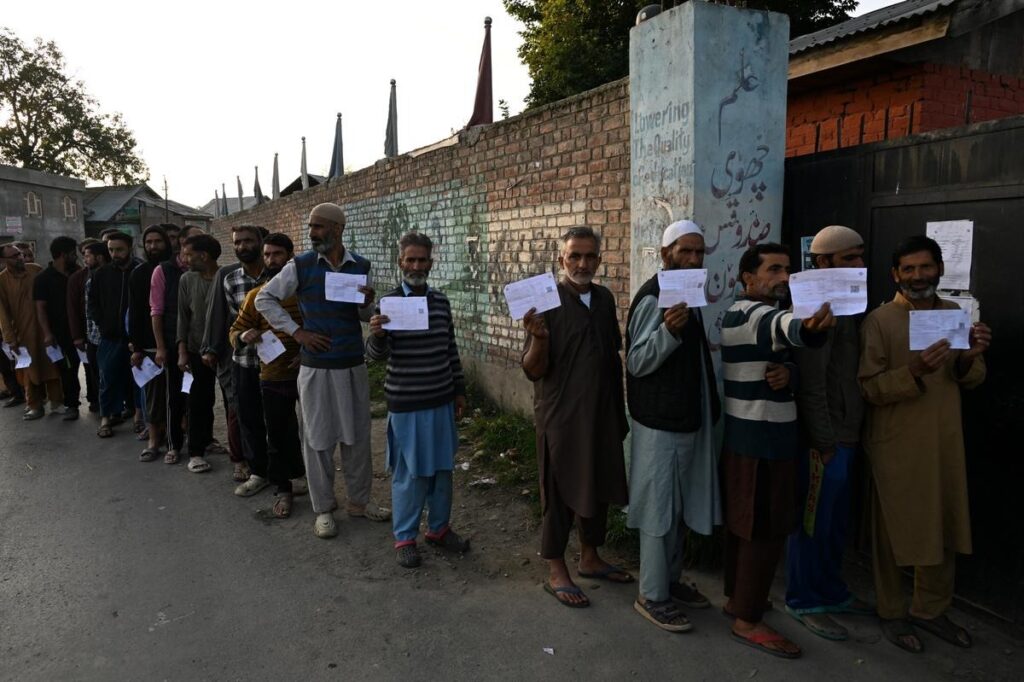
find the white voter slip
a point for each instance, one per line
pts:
(682, 286)
(405, 313)
(344, 288)
(930, 326)
(844, 289)
(540, 292)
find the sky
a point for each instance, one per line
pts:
(213, 89)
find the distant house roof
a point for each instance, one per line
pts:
(34, 177)
(296, 184)
(103, 203)
(211, 205)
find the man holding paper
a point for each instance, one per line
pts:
(674, 405)
(426, 393)
(334, 388)
(50, 291)
(572, 358)
(279, 369)
(21, 331)
(831, 410)
(914, 442)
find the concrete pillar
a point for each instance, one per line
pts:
(708, 136)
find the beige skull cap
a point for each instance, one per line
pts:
(833, 239)
(678, 229)
(328, 211)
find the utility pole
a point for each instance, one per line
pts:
(167, 215)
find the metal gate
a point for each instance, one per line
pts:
(890, 190)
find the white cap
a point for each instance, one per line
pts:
(679, 229)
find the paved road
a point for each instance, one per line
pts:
(115, 570)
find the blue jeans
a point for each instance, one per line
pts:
(814, 564)
(115, 376)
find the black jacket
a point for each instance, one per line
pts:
(108, 300)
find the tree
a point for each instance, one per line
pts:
(48, 121)
(574, 45)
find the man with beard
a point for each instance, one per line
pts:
(21, 329)
(426, 393)
(77, 283)
(334, 388)
(673, 400)
(915, 444)
(173, 237)
(572, 358)
(283, 461)
(163, 310)
(201, 251)
(140, 333)
(238, 370)
(50, 292)
(759, 457)
(108, 304)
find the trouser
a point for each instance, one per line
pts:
(249, 412)
(749, 571)
(176, 404)
(661, 561)
(201, 398)
(156, 398)
(814, 563)
(230, 400)
(933, 585)
(285, 462)
(37, 394)
(10, 377)
(556, 524)
(357, 467)
(92, 374)
(69, 383)
(115, 377)
(410, 493)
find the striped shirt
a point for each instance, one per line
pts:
(237, 285)
(759, 420)
(424, 370)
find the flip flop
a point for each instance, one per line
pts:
(105, 431)
(149, 454)
(820, 623)
(606, 573)
(573, 590)
(757, 640)
(171, 457)
(945, 629)
(198, 465)
(895, 628)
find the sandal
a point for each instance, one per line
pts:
(198, 465)
(283, 505)
(371, 511)
(606, 573)
(140, 426)
(171, 457)
(854, 606)
(149, 454)
(688, 595)
(408, 556)
(757, 640)
(105, 431)
(571, 589)
(820, 623)
(663, 614)
(945, 629)
(896, 629)
(449, 540)
(241, 472)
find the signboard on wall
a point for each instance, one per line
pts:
(12, 225)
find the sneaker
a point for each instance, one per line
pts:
(58, 409)
(70, 414)
(408, 556)
(449, 541)
(325, 526)
(252, 486)
(33, 414)
(14, 401)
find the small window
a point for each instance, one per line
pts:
(33, 206)
(70, 208)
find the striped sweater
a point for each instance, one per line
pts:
(759, 421)
(424, 370)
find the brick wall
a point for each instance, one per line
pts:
(908, 99)
(495, 205)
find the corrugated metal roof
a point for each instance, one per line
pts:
(886, 16)
(104, 202)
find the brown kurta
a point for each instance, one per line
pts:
(914, 439)
(18, 319)
(579, 407)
